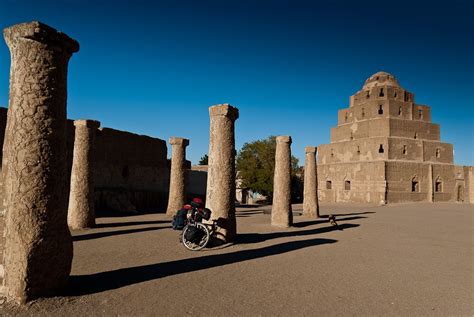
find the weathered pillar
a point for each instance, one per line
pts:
(282, 215)
(81, 213)
(220, 194)
(310, 195)
(177, 194)
(38, 247)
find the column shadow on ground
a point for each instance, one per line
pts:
(348, 214)
(248, 238)
(130, 223)
(303, 224)
(104, 281)
(96, 235)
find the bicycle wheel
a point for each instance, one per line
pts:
(202, 240)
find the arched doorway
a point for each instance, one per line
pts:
(460, 193)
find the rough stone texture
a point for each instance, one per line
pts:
(3, 123)
(38, 246)
(282, 215)
(81, 213)
(383, 124)
(177, 191)
(220, 193)
(310, 195)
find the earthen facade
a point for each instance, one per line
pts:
(385, 149)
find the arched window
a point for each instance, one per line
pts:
(400, 109)
(420, 114)
(347, 185)
(381, 94)
(125, 172)
(438, 185)
(380, 109)
(415, 187)
(328, 184)
(438, 153)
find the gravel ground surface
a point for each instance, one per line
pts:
(407, 259)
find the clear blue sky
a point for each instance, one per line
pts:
(155, 68)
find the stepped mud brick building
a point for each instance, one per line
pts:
(385, 149)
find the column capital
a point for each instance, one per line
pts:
(283, 139)
(178, 141)
(225, 110)
(42, 33)
(310, 149)
(93, 124)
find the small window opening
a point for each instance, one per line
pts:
(416, 135)
(345, 117)
(363, 112)
(420, 114)
(125, 172)
(438, 185)
(380, 109)
(438, 153)
(405, 96)
(347, 185)
(367, 95)
(352, 135)
(381, 150)
(381, 94)
(358, 150)
(400, 109)
(395, 95)
(332, 153)
(405, 150)
(328, 185)
(415, 187)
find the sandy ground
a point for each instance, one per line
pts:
(410, 259)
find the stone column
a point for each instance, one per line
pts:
(282, 215)
(310, 196)
(220, 194)
(177, 194)
(38, 246)
(81, 213)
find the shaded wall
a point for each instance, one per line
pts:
(131, 171)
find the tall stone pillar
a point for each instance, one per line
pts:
(38, 246)
(310, 195)
(81, 213)
(220, 195)
(282, 215)
(177, 194)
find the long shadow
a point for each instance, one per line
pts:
(319, 221)
(349, 214)
(131, 223)
(103, 281)
(97, 235)
(247, 238)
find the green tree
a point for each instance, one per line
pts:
(204, 160)
(256, 165)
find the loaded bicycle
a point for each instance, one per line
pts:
(195, 234)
